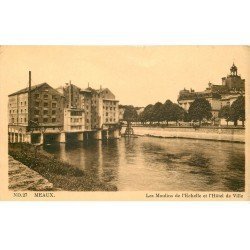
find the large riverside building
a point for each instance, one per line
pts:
(74, 115)
(218, 95)
(33, 112)
(101, 112)
(41, 113)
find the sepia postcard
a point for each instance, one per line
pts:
(151, 123)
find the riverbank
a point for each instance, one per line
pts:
(22, 178)
(202, 133)
(62, 175)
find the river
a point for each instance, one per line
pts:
(159, 164)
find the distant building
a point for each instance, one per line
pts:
(218, 95)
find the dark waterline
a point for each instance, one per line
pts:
(151, 164)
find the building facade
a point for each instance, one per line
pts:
(34, 112)
(101, 112)
(218, 95)
(41, 113)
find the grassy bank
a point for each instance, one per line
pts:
(63, 175)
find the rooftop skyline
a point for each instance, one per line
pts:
(137, 75)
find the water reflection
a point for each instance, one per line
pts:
(147, 163)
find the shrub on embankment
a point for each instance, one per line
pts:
(63, 175)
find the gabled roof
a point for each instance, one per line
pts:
(34, 87)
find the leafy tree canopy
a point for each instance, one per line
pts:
(199, 109)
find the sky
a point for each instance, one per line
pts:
(137, 75)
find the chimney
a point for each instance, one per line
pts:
(29, 81)
(70, 94)
(29, 102)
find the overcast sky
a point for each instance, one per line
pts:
(137, 75)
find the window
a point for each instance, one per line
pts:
(110, 119)
(54, 97)
(37, 104)
(25, 119)
(45, 104)
(53, 105)
(36, 119)
(107, 119)
(36, 112)
(45, 119)
(25, 103)
(21, 103)
(53, 119)
(13, 120)
(45, 112)
(36, 96)
(21, 111)
(21, 119)
(45, 96)
(10, 111)
(87, 120)
(107, 113)
(110, 108)
(53, 112)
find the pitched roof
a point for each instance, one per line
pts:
(25, 90)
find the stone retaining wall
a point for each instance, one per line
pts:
(22, 178)
(218, 134)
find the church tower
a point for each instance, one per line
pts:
(233, 81)
(233, 70)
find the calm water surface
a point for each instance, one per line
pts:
(151, 164)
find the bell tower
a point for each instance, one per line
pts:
(233, 70)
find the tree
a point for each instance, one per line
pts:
(225, 113)
(147, 114)
(178, 113)
(168, 111)
(199, 109)
(130, 114)
(238, 110)
(158, 112)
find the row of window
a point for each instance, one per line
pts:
(111, 108)
(21, 111)
(17, 120)
(46, 104)
(45, 112)
(21, 103)
(45, 120)
(45, 96)
(76, 120)
(110, 119)
(110, 114)
(76, 113)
